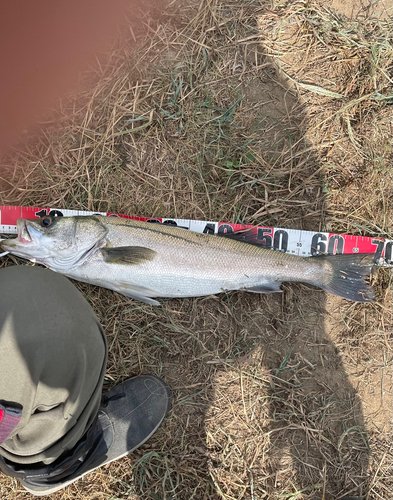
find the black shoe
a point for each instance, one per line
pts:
(129, 414)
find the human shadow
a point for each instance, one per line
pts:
(282, 417)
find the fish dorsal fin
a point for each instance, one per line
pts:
(128, 255)
(246, 235)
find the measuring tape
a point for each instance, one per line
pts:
(292, 241)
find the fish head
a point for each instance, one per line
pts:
(56, 242)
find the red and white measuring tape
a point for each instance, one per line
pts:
(293, 241)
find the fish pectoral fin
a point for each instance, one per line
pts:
(249, 235)
(272, 287)
(137, 292)
(127, 255)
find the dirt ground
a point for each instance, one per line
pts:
(269, 113)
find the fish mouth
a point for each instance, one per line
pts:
(23, 232)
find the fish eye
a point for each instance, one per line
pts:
(46, 221)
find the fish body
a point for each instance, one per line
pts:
(144, 260)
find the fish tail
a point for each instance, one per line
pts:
(346, 276)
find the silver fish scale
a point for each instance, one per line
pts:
(189, 264)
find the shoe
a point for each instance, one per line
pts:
(130, 413)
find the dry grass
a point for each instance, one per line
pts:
(265, 113)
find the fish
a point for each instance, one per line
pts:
(147, 261)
